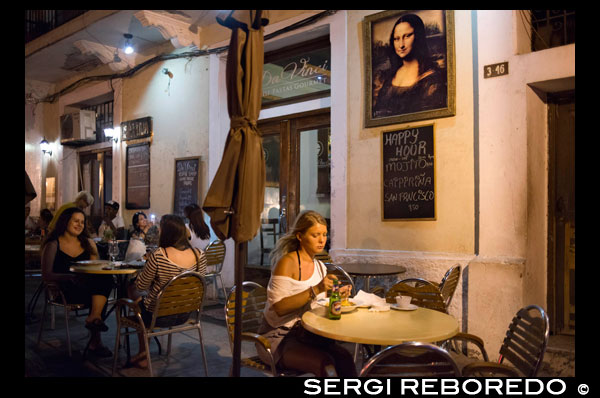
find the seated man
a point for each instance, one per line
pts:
(112, 221)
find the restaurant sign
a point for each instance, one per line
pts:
(296, 76)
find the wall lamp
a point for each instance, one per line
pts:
(128, 48)
(113, 133)
(45, 146)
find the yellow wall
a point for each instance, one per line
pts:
(180, 124)
(453, 231)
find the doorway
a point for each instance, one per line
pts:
(561, 223)
(298, 168)
(96, 178)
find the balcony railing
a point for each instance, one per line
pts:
(38, 22)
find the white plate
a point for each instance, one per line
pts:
(410, 307)
(90, 262)
(345, 308)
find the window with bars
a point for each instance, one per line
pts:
(552, 28)
(104, 118)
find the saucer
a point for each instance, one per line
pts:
(410, 307)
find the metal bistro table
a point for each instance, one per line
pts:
(370, 270)
(105, 267)
(382, 328)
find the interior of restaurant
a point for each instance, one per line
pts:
(502, 177)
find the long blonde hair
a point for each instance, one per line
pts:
(288, 242)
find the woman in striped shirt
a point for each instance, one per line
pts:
(173, 256)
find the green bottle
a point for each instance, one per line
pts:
(335, 302)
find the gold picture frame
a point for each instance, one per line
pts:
(392, 96)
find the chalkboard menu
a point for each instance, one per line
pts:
(138, 177)
(186, 183)
(408, 174)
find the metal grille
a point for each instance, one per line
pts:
(552, 28)
(104, 118)
(38, 22)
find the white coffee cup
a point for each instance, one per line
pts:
(403, 301)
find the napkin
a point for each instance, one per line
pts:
(135, 250)
(377, 303)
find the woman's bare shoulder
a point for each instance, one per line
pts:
(286, 266)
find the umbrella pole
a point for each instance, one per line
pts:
(240, 264)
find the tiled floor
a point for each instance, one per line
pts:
(51, 358)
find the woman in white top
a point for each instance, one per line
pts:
(199, 232)
(296, 279)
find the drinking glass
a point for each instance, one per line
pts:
(113, 250)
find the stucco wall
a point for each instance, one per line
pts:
(453, 230)
(179, 114)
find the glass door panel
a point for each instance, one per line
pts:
(315, 172)
(262, 244)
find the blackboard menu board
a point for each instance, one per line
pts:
(138, 177)
(186, 183)
(408, 174)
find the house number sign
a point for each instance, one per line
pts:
(495, 70)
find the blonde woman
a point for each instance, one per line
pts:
(297, 277)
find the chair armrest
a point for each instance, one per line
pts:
(471, 338)
(257, 338)
(129, 303)
(488, 369)
(378, 291)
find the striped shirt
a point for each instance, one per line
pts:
(159, 270)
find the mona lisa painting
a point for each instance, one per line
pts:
(409, 59)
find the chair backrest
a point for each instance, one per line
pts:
(341, 274)
(254, 300)
(215, 254)
(183, 294)
(526, 340)
(411, 359)
(424, 293)
(449, 283)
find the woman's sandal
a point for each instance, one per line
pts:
(97, 325)
(101, 351)
(135, 362)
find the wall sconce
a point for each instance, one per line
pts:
(128, 48)
(113, 133)
(45, 146)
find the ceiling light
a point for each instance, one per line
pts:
(128, 48)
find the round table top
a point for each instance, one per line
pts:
(372, 269)
(98, 268)
(382, 328)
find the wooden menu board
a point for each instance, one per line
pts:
(138, 177)
(408, 165)
(186, 183)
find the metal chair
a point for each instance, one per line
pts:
(341, 274)
(411, 359)
(215, 256)
(254, 299)
(424, 293)
(56, 298)
(523, 347)
(175, 305)
(449, 283)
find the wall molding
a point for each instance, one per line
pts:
(173, 27)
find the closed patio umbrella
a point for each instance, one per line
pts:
(235, 198)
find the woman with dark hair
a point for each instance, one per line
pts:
(144, 230)
(66, 243)
(174, 256)
(297, 277)
(414, 82)
(199, 232)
